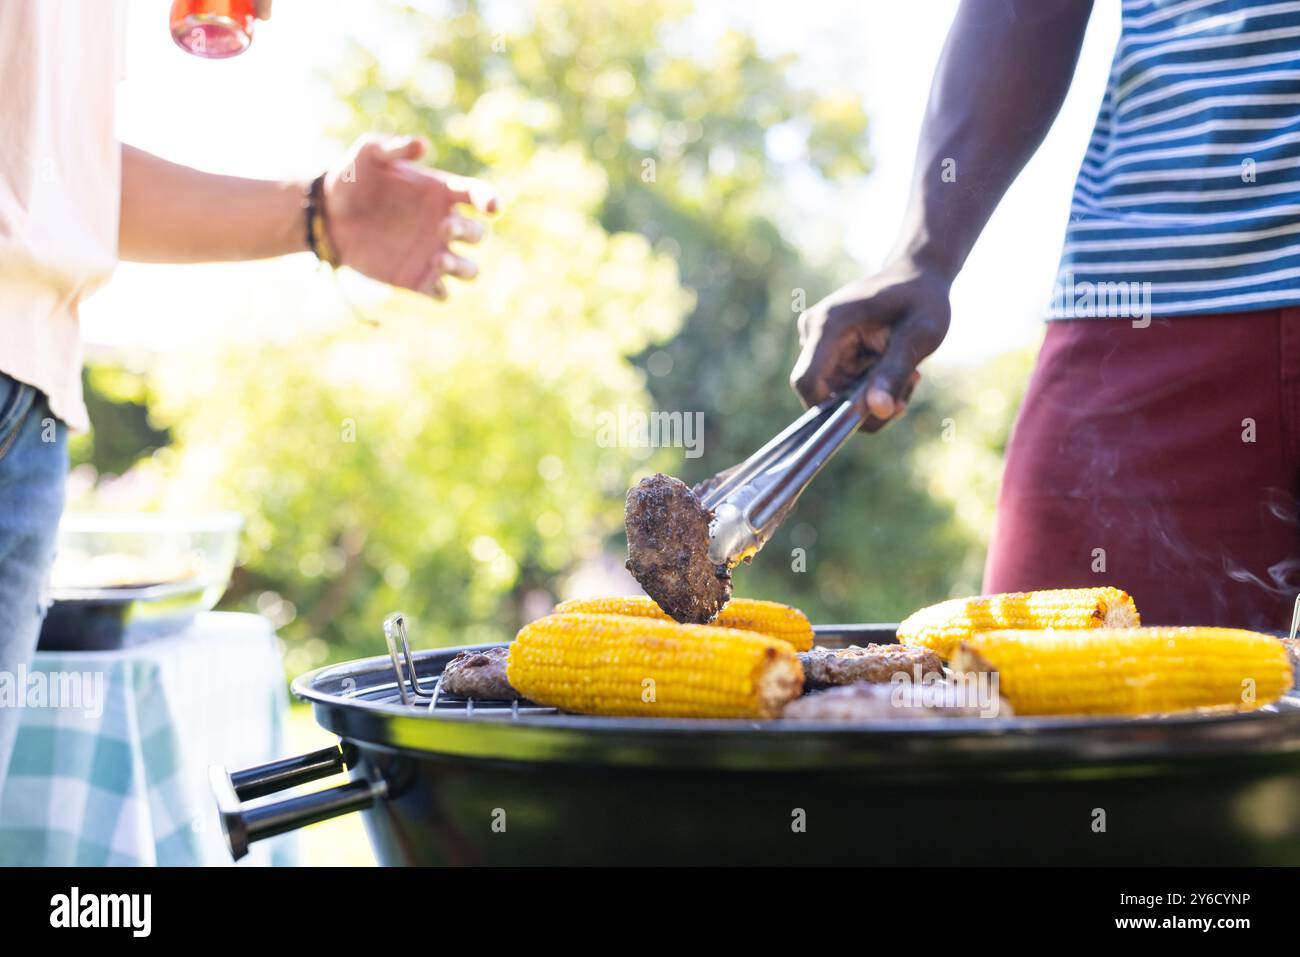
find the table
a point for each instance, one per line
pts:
(121, 777)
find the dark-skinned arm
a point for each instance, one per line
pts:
(1002, 77)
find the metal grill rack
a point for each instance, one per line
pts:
(424, 693)
(410, 692)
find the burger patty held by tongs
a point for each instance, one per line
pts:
(668, 550)
(682, 543)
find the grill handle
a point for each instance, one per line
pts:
(242, 825)
(287, 773)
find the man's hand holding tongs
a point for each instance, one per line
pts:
(886, 323)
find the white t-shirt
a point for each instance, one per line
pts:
(60, 185)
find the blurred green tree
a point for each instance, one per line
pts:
(117, 399)
(682, 131)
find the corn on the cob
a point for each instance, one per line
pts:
(941, 627)
(622, 665)
(1130, 670)
(748, 614)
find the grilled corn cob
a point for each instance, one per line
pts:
(1130, 670)
(622, 665)
(941, 627)
(748, 614)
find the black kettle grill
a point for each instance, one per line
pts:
(444, 780)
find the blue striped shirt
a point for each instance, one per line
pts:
(1188, 200)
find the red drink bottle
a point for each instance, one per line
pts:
(213, 28)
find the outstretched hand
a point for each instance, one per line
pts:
(394, 220)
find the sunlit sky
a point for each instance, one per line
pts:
(266, 113)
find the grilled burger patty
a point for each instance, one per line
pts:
(869, 701)
(479, 674)
(668, 550)
(877, 663)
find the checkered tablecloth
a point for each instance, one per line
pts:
(120, 776)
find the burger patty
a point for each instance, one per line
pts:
(876, 663)
(869, 701)
(668, 550)
(479, 674)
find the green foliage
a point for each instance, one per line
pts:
(682, 135)
(117, 400)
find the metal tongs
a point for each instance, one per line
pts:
(750, 500)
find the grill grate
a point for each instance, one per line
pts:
(408, 689)
(424, 693)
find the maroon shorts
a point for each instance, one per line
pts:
(1164, 461)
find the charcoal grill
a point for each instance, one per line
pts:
(444, 780)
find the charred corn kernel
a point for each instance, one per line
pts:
(940, 627)
(748, 614)
(624, 665)
(1130, 670)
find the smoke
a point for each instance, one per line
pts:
(1175, 558)
(1284, 576)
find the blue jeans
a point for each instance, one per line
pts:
(33, 463)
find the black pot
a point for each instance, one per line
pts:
(502, 787)
(96, 619)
